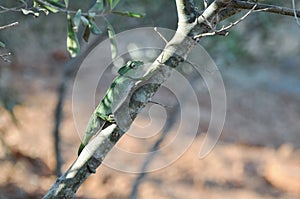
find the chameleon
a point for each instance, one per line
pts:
(119, 89)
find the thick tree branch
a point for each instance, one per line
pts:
(264, 7)
(90, 158)
(186, 11)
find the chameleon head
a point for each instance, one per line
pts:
(129, 66)
(134, 64)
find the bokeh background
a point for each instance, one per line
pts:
(256, 157)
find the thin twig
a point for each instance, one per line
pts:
(14, 9)
(206, 21)
(265, 7)
(224, 30)
(295, 12)
(205, 3)
(9, 25)
(160, 35)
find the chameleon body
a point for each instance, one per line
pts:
(118, 90)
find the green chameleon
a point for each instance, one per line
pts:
(118, 90)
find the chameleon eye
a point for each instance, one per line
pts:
(132, 65)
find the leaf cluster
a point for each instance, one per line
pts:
(87, 19)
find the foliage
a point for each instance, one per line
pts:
(101, 8)
(79, 17)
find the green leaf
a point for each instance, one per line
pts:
(129, 14)
(113, 3)
(51, 9)
(113, 43)
(2, 45)
(56, 3)
(43, 8)
(94, 28)
(92, 15)
(66, 3)
(86, 34)
(22, 1)
(26, 12)
(84, 21)
(97, 7)
(46, 11)
(72, 40)
(76, 20)
(51, 5)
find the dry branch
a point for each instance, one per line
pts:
(265, 7)
(9, 25)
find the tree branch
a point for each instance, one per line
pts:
(265, 8)
(9, 25)
(90, 158)
(13, 9)
(295, 12)
(224, 30)
(175, 52)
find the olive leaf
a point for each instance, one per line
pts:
(129, 14)
(113, 3)
(113, 43)
(72, 40)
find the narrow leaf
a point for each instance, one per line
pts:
(129, 14)
(49, 5)
(113, 3)
(76, 20)
(94, 28)
(97, 7)
(92, 15)
(26, 12)
(52, 6)
(66, 3)
(56, 3)
(72, 40)
(45, 10)
(84, 21)
(22, 1)
(51, 9)
(35, 4)
(2, 45)
(113, 43)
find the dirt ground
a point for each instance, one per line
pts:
(244, 164)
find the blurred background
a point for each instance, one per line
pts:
(256, 157)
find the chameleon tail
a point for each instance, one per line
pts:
(80, 148)
(94, 126)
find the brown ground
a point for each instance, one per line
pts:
(234, 169)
